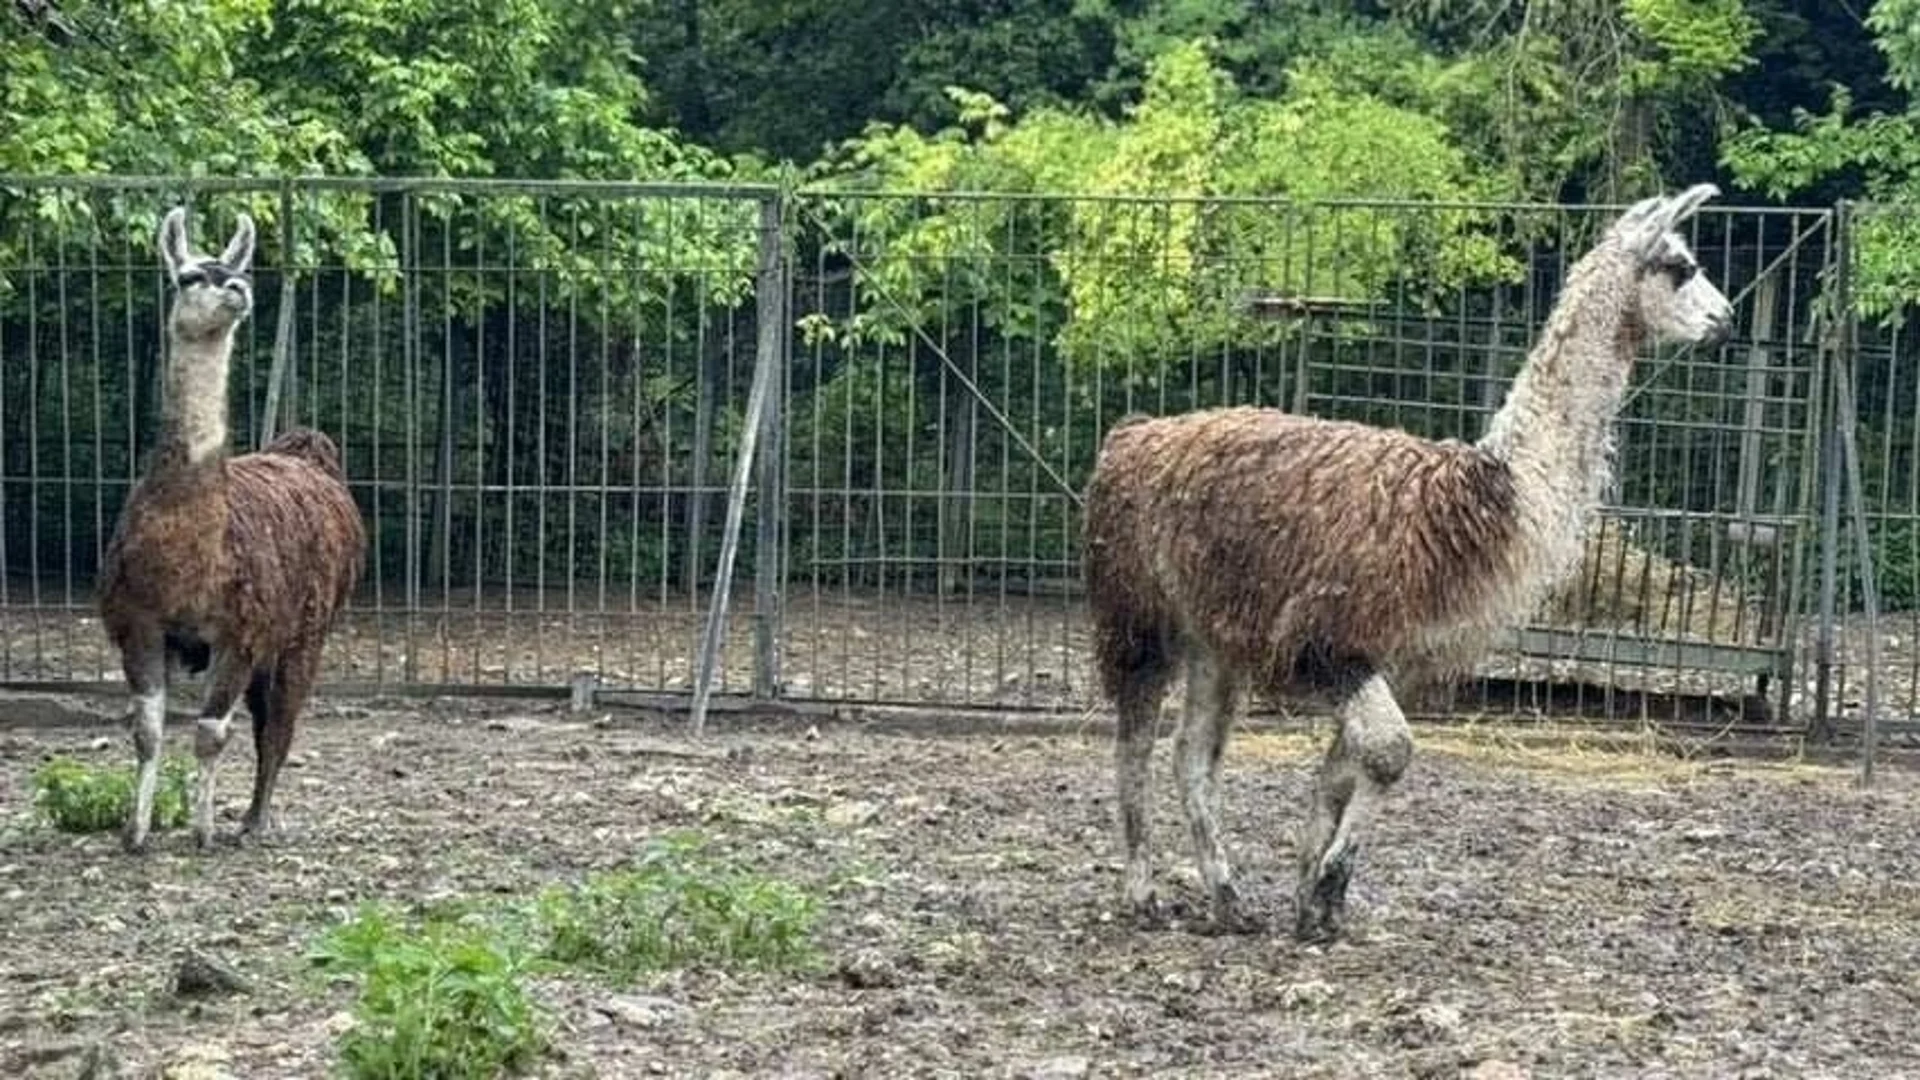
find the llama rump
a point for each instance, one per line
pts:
(236, 566)
(1290, 555)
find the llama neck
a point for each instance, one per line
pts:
(194, 417)
(1555, 431)
(1556, 427)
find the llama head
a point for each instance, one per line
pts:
(1676, 302)
(212, 294)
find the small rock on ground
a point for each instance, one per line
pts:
(642, 1010)
(1060, 1068)
(201, 975)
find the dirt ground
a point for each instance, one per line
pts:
(1521, 911)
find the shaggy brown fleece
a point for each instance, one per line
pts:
(1295, 592)
(255, 553)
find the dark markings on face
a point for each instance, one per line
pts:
(1676, 262)
(216, 275)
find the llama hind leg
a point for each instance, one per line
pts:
(1368, 755)
(229, 675)
(145, 663)
(1212, 702)
(275, 699)
(1138, 681)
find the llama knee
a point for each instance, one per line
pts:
(210, 735)
(1380, 741)
(1387, 757)
(147, 722)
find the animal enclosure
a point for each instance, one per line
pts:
(538, 390)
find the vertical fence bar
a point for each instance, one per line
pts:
(765, 375)
(770, 355)
(283, 321)
(1844, 325)
(1829, 455)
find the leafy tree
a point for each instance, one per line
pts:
(1876, 154)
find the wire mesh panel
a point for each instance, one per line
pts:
(1882, 388)
(533, 388)
(539, 391)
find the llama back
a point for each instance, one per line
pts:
(310, 446)
(1294, 544)
(297, 542)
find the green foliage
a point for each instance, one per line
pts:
(1896, 29)
(1895, 546)
(675, 908)
(1150, 281)
(445, 999)
(1696, 41)
(74, 796)
(1881, 148)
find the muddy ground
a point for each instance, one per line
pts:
(1522, 911)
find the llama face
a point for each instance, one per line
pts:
(1676, 301)
(212, 294)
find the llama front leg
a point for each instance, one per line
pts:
(145, 664)
(1370, 751)
(225, 681)
(1212, 700)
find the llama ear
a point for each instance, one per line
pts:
(1684, 205)
(173, 241)
(1643, 225)
(239, 254)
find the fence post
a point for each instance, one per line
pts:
(278, 374)
(770, 354)
(1830, 480)
(766, 376)
(1846, 347)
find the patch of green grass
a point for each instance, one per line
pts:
(438, 1000)
(443, 993)
(74, 796)
(675, 908)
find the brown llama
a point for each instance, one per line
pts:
(234, 564)
(1293, 555)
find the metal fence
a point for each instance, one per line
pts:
(539, 390)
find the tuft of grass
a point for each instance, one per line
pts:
(440, 1000)
(444, 994)
(675, 908)
(76, 797)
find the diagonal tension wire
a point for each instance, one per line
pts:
(946, 361)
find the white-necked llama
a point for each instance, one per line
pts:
(1291, 555)
(234, 564)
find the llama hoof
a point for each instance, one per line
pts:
(1228, 915)
(1233, 924)
(1148, 914)
(1236, 921)
(257, 836)
(1322, 903)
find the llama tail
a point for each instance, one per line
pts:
(310, 446)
